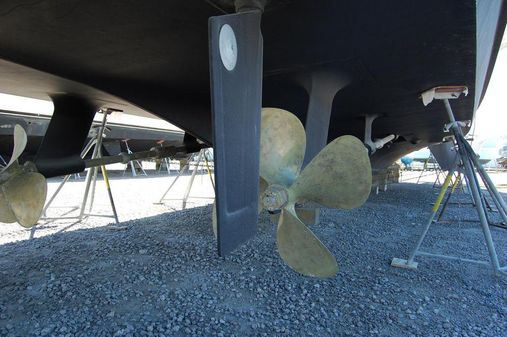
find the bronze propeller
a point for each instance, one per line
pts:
(22, 190)
(338, 177)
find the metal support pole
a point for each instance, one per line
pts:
(397, 262)
(490, 187)
(132, 168)
(189, 186)
(174, 182)
(487, 181)
(433, 213)
(437, 180)
(444, 206)
(168, 165)
(468, 190)
(460, 188)
(209, 172)
(482, 216)
(109, 192)
(88, 181)
(50, 201)
(486, 205)
(424, 169)
(496, 202)
(98, 144)
(95, 171)
(473, 186)
(133, 162)
(104, 175)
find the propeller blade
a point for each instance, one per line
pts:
(338, 177)
(20, 140)
(6, 215)
(301, 249)
(283, 143)
(25, 194)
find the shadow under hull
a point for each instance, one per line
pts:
(153, 56)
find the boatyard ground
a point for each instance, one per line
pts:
(158, 274)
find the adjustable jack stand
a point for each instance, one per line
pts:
(91, 179)
(457, 181)
(430, 160)
(186, 196)
(438, 171)
(133, 162)
(167, 163)
(164, 161)
(471, 168)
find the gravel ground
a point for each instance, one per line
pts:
(161, 277)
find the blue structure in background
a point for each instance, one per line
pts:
(407, 161)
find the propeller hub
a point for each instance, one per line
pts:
(275, 197)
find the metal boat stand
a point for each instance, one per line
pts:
(164, 162)
(186, 196)
(426, 169)
(453, 189)
(133, 163)
(90, 180)
(167, 163)
(472, 170)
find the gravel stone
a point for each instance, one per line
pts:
(162, 277)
